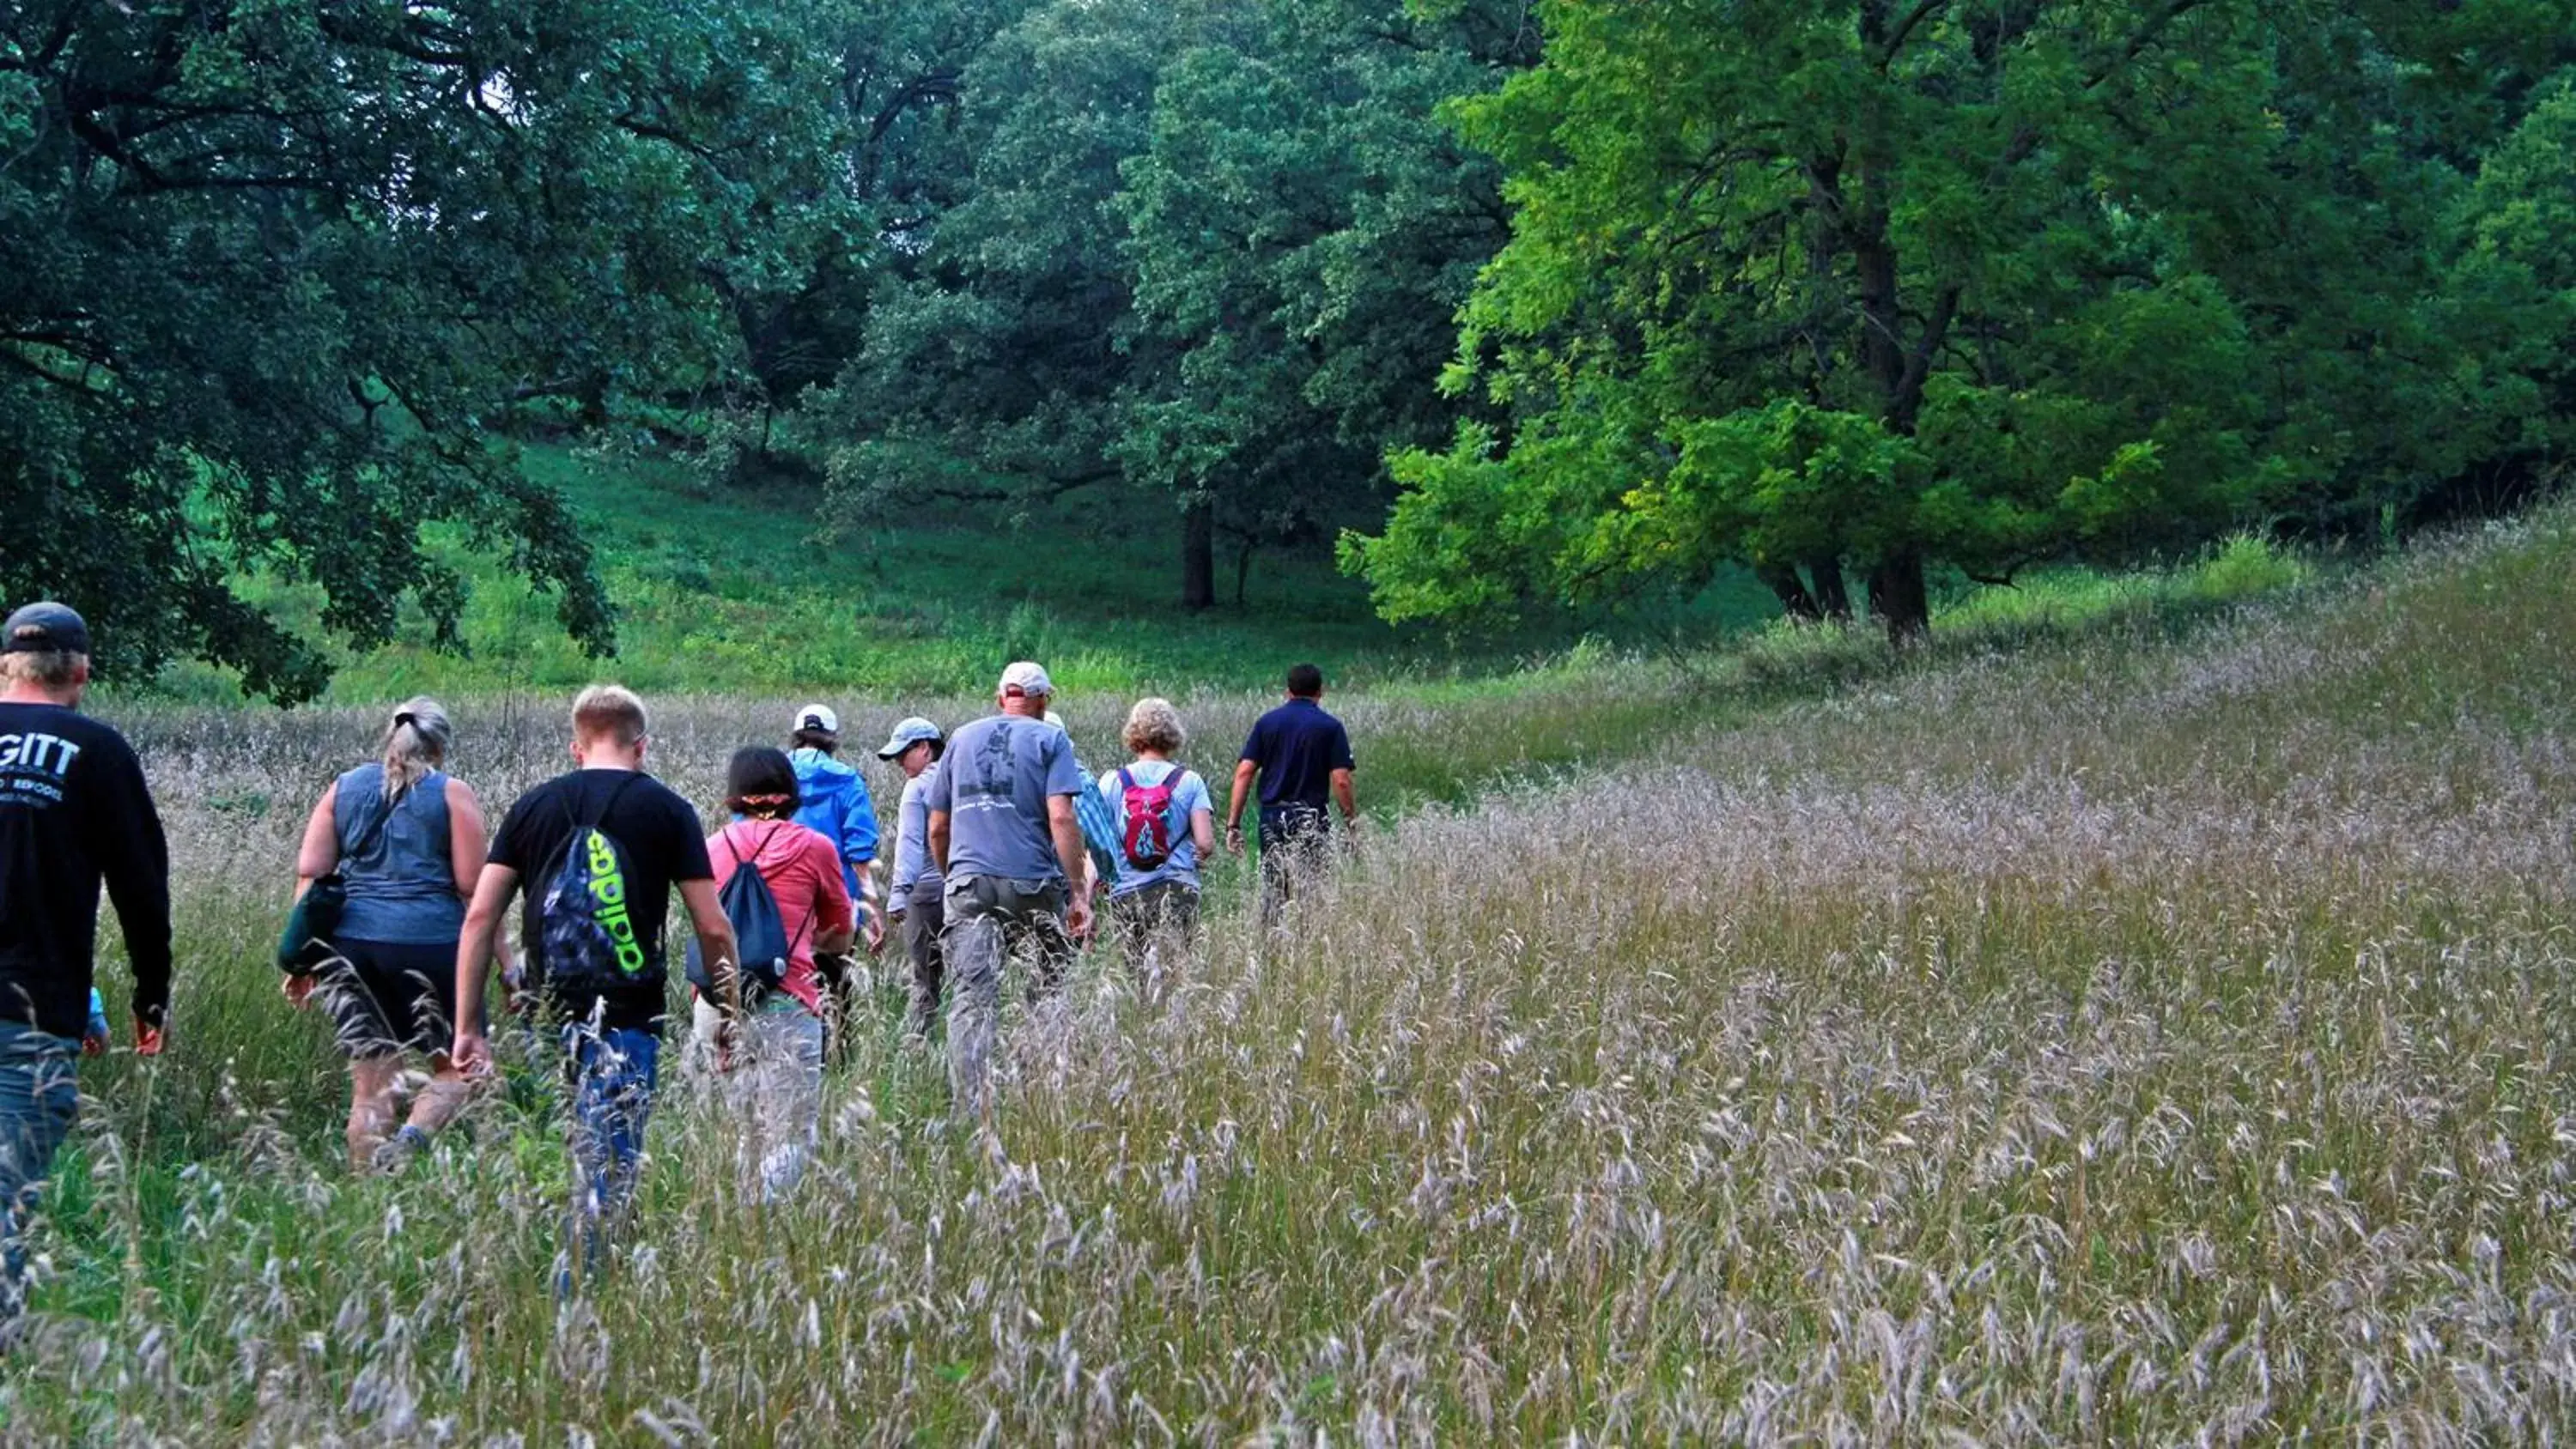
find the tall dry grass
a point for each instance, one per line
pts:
(2132, 1041)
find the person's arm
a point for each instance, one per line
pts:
(1244, 771)
(715, 943)
(315, 857)
(859, 825)
(137, 859)
(1197, 808)
(1343, 765)
(1070, 854)
(320, 851)
(468, 845)
(935, 802)
(834, 920)
(492, 892)
(859, 841)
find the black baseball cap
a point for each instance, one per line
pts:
(44, 628)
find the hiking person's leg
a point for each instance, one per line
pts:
(700, 1058)
(973, 942)
(1038, 919)
(1278, 864)
(438, 1103)
(1129, 923)
(39, 1098)
(614, 1070)
(1173, 941)
(427, 978)
(843, 984)
(366, 1024)
(924, 921)
(788, 1102)
(371, 1107)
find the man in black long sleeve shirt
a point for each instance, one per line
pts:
(73, 813)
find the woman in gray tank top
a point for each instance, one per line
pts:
(409, 841)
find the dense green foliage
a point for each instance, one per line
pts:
(1199, 276)
(282, 275)
(1989, 283)
(1604, 300)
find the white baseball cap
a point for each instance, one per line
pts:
(906, 734)
(819, 719)
(1027, 678)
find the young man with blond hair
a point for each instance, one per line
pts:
(74, 812)
(601, 849)
(1004, 839)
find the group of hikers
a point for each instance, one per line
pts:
(1004, 849)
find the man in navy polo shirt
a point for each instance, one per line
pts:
(1302, 758)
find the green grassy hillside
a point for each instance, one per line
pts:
(731, 590)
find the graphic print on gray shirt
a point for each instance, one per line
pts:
(994, 783)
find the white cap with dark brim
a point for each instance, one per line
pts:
(908, 733)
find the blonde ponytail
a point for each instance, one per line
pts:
(415, 744)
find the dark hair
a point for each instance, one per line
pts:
(761, 782)
(1305, 680)
(818, 740)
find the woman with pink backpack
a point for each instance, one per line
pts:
(1166, 825)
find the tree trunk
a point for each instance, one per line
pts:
(1243, 570)
(1198, 554)
(1898, 597)
(1795, 601)
(1833, 597)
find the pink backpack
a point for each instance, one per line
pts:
(1149, 819)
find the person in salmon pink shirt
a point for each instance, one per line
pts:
(772, 1061)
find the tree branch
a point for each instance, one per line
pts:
(1905, 27)
(1936, 331)
(2146, 35)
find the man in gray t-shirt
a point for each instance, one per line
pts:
(1004, 837)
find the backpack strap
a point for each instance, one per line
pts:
(757, 851)
(579, 824)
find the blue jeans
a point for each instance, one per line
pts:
(613, 1071)
(38, 1099)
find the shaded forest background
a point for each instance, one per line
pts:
(1517, 308)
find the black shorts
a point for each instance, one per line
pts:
(387, 999)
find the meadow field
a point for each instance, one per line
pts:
(2149, 1025)
(737, 588)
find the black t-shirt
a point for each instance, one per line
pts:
(1297, 747)
(663, 844)
(74, 812)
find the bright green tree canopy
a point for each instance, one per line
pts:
(1979, 283)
